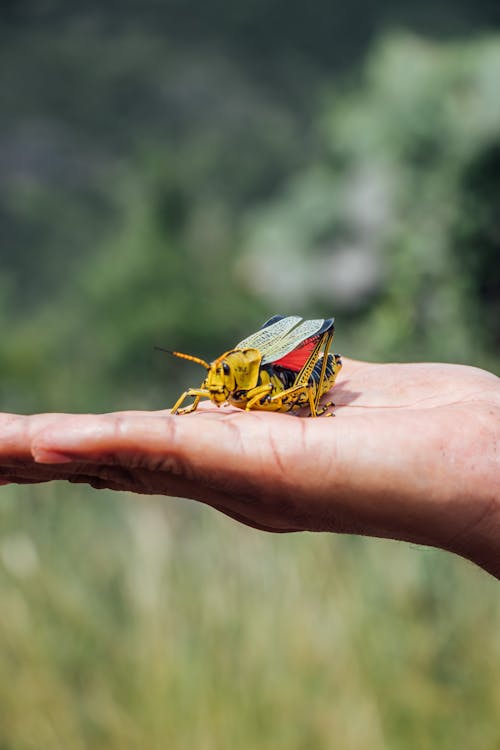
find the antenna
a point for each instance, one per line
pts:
(185, 356)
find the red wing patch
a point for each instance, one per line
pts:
(296, 359)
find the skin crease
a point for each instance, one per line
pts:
(412, 454)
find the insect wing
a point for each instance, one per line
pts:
(293, 350)
(274, 319)
(267, 338)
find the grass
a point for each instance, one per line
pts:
(133, 622)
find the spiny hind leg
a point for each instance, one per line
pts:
(337, 366)
(292, 398)
(304, 395)
(323, 408)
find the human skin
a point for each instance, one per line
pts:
(411, 454)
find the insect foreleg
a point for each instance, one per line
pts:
(198, 393)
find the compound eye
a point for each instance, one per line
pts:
(225, 368)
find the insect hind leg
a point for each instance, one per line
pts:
(291, 397)
(323, 409)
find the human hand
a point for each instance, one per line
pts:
(411, 454)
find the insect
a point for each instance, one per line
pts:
(283, 366)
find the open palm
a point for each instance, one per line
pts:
(410, 454)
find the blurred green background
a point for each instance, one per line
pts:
(173, 173)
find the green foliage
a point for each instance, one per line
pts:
(398, 222)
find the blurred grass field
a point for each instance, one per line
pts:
(135, 622)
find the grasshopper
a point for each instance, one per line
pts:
(283, 366)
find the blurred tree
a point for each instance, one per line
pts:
(397, 223)
(478, 242)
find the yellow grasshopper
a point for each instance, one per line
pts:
(285, 365)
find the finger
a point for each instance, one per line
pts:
(198, 457)
(14, 438)
(116, 438)
(16, 433)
